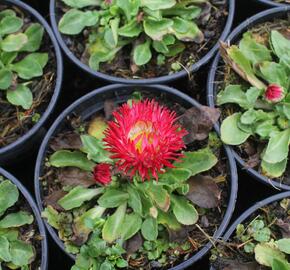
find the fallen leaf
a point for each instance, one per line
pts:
(66, 140)
(109, 107)
(203, 191)
(198, 122)
(75, 177)
(133, 244)
(53, 198)
(284, 226)
(236, 265)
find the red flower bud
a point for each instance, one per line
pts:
(102, 173)
(274, 93)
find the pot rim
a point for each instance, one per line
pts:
(162, 79)
(211, 87)
(29, 199)
(157, 88)
(59, 75)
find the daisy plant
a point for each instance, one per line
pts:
(141, 186)
(263, 99)
(151, 28)
(20, 61)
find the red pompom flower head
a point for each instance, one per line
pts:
(102, 173)
(144, 138)
(274, 93)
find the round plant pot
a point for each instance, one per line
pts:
(24, 143)
(212, 85)
(244, 216)
(93, 102)
(42, 232)
(270, 3)
(54, 17)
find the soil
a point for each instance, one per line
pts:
(209, 220)
(121, 66)
(250, 150)
(14, 121)
(28, 233)
(272, 214)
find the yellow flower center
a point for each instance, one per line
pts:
(142, 129)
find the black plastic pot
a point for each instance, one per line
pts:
(243, 217)
(15, 150)
(93, 102)
(25, 193)
(54, 17)
(235, 36)
(271, 3)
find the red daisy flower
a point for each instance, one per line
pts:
(144, 138)
(102, 173)
(274, 93)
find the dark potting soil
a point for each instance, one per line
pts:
(251, 150)
(15, 121)
(209, 219)
(28, 233)
(276, 218)
(122, 65)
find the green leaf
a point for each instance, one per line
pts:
(7, 12)
(65, 158)
(4, 249)
(274, 73)
(156, 29)
(82, 3)
(21, 253)
(235, 94)
(31, 66)
(274, 170)
(280, 265)
(131, 29)
(13, 42)
(262, 235)
(280, 44)
(198, 161)
(265, 253)
(131, 225)
(95, 149)
(8, 57)
(176, 175)
(111, 34)
(183, 10)
(77, 196)
(277, 148)
(149, 229)
(112, 198)
(34, 34)
(6, 77)
(159, 195)
(142, 53)
(230, 132)
(16, 220)
(10, 24)
(21, 96)
(102, 56)
(134, 200)
(129, 7)
(158, 4)
(184, 211)
(187, 31)
(113, 226)
(8, 195)
(253, 50)
(74, 21)
(52, 216)
(168, 220)
(284, 245)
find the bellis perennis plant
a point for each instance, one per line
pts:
(264, 107)
(149, 28)
(140, 176)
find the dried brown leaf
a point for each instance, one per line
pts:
(75, 177)
(66, 140)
